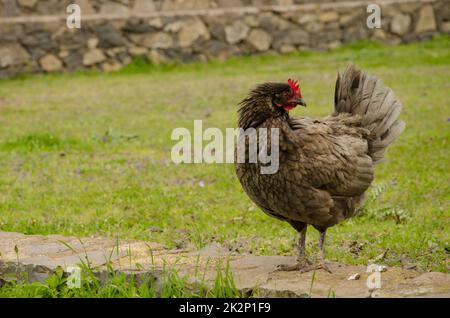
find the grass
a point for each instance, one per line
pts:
(113, 284)
(89, 154)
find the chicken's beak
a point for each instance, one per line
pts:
(301, 101)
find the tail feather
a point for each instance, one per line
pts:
(361, 94)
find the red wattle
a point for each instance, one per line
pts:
(288, 108)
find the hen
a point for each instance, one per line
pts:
(325, 165)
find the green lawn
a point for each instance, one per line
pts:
(89, 154)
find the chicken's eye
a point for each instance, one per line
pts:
(286, 95)
(278, 99)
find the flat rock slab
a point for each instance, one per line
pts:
(39, 255)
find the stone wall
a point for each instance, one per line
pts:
(34, 36)
(46, 7)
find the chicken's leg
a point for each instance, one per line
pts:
(302, 263)
(321, 255)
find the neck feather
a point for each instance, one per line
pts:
(254, 111)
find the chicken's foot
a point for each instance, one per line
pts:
(303, 265)
(321, 259)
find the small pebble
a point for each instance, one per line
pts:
(354, 277)
(382, 268)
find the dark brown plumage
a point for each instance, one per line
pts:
(325, 165)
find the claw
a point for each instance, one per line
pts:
(302, 267)
(289, 267)
(323, 266)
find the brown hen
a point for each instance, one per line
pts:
(325, 165)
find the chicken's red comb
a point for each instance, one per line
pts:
(295, 86)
